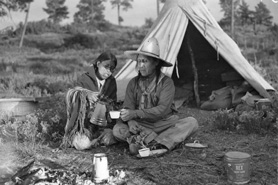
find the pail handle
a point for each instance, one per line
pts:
(229, 165)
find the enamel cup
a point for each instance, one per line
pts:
(100, 168)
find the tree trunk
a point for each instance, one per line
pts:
(232, 21)
(119, 16)
(254, 26)
(25, 25)
(92, 8)
(157, 7)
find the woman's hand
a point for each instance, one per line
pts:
(127, 114)
(92, 96)
(134, 127)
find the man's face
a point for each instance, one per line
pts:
(146, 65)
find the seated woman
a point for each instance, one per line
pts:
(87, 105)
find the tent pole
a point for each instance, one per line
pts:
(195, 71)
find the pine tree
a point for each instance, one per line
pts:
(226, 7)
(90, 13)
(13, 5)
(56, 10)
(244, 13)
(125, 4)
(16, 5)
(262, 15)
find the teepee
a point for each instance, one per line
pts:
(191, 39)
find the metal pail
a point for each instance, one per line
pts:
(237, 165)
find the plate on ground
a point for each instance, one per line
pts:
(196, 144)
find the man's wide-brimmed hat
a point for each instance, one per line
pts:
(149, 48)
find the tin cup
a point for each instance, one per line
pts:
(145, 152)
(100, 168)
(114, 114)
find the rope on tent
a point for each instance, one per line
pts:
(217, 47)
(205, 26)
(168, 45)
(195, 71)
(177, 69)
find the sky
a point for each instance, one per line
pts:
(136, 16)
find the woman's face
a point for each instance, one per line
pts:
(105, 69)
(146, 65)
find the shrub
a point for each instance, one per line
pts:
(44, 125)
(33, 91)
(80, 41)
(225, 120)
(39, 27)
(45, 42)
(274, 99)
(254, 121)
(57, 87)
(31, 85)
(40, 68)
(41, 83)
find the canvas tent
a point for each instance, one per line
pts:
(214, 52)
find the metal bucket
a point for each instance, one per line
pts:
(18, 106)
(237, 165)
(100, 168)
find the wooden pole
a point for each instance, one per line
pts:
(157, 7)
(195, 71)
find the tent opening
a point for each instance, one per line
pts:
(211, 66)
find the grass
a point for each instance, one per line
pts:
(28, 71)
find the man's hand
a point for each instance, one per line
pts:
(92, 96)
(134, 127)
(127, 114)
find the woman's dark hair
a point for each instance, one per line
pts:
(107, 55)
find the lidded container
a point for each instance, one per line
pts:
(263, 104)
(237, 165)
(100, 168)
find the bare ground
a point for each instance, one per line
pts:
(180, 166)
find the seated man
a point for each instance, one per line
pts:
(148, 106)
